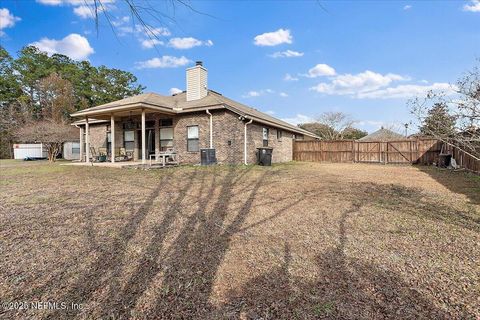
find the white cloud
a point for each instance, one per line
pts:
(273, 38)
(121, 21)
(72, 2)
(7, 20)
(140, 32)
(298, 119)
(84, 12)
(153, 32)
(286, 54)
(407, 7)
(283, 94)
(150, 43)
(270, 112)
(51, 2)
(74, 45)
(188, 43)
(289, 77)
(257, 93)
(163, 62)
(175, 91)
(406, 91)
(474, 6)
(351, 84)
(84, 9)
(319, 70)
(252, 94)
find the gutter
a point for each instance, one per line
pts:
(245, 142)
(211, 128)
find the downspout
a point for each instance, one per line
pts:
(245, 142)
(211, 129)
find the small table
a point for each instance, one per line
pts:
(163, 156)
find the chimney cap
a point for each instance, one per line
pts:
(198, 63)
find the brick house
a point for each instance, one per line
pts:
(147, 124)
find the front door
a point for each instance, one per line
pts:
(149, 142)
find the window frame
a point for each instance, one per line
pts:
(197, 139)
(162, 140)
(76, 148)
(125, 141)
(279, 134)
(267, 131)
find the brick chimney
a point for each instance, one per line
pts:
(196, 82)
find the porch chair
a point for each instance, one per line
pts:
(93, 154)
(125, 155)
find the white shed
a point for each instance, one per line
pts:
(28, 150)
(71, 150)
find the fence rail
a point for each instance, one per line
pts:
(421, 151)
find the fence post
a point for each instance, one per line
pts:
(353, 151)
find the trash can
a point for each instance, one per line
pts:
(207, 156)
(264, 156)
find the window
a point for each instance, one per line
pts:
(279, 134)
(166, 138)
(265, 137)
(166, 122)
(128, 140)
(75, 148)
(192, 139)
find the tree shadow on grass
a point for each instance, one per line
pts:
(110, 256)
(411, 201)
(458, 182)
(344, 289)
(191, 264)
(200, 246)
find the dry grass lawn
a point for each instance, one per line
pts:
(292, 241)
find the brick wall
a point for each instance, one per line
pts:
(180, 124)
(282, 148)
(228, 134)
(98, 135)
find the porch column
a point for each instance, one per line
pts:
(87, 140)
(82, 148)
(157, 136)
(112, 138)
(144, 157)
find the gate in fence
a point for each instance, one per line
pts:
(402, 151)
(423, 151)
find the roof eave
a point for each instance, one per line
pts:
(125, 107)
(256, 119)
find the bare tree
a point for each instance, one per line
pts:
(459, 124)
(336, 124)
(143, 13)
(52, 134)
(56, 98)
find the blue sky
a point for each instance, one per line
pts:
(293, 59)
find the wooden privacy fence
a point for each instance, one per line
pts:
(422, 151)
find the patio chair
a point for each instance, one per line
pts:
(125, 155)
(93, 154)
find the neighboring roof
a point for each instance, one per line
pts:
(177, 104)
(383, 135)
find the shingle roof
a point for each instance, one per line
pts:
(178, 104)
(383, 135)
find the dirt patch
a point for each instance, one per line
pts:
(299, 240)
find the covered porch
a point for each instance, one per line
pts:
(137, 133)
